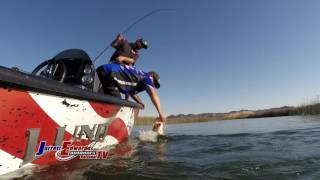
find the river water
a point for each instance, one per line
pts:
(264, 148)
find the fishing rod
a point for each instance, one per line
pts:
(131, 26)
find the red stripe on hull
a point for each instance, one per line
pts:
(118, 130)
(104, 110)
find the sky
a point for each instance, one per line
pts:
(212, 55)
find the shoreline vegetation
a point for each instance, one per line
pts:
(306, 109)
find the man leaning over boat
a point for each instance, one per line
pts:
(116, 78)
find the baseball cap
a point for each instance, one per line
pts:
(144, 43)
(156, 79)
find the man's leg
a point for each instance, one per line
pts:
(108, 85)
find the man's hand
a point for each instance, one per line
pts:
(120, 37)
(158, 125)
(142, 104)
(162, 118)
(117, 42)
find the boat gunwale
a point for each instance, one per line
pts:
(19, 80)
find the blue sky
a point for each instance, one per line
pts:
(213, 56)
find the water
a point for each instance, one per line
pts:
(266, 148)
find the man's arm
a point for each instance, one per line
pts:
(116, 43)
(156, 102)
(124, 60)
(138, 100)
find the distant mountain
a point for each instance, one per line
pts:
(281, 111)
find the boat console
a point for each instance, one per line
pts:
(73, 67)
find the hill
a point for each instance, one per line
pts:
(205, 117)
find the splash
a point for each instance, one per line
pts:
(148, 136)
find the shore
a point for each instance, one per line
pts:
(150, 120)
(311, 109)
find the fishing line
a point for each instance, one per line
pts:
(130, 26)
